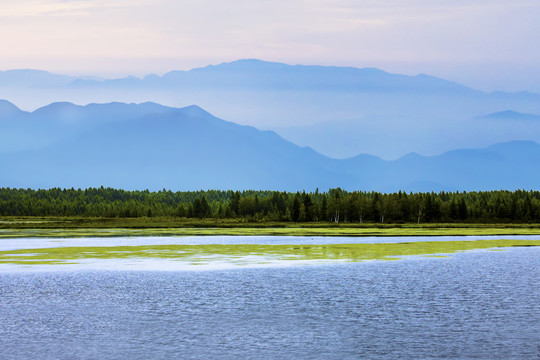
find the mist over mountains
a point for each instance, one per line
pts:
(249, 74)
(140, 146)
(367, 110)
(290, 127)
(510, 115)
(21, 130)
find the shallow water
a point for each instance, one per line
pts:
(210, 253)
(32, 243)
(480, 304)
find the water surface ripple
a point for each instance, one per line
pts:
(33, 243)
(474, 305)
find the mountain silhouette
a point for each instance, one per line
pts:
(189, 149)
(511, 115)
(309, 105)
(21, 130)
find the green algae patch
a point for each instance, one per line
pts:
(197, 254)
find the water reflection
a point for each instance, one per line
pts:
(175, 256)
(475, 305)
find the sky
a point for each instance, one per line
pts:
(488, 44)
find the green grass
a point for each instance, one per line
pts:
(19, 227)
(10, 222)
(236, 253)
(245, 231)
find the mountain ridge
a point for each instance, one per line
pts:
(240, 65)
(510, 115)
(367, 109)
(259, 73)
(190, 149)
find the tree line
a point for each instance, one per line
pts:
(335, 205)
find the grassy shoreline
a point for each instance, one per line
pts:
(40, 227)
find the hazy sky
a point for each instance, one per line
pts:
(488, 44)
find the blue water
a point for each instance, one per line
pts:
(474, 305)
(33, 243)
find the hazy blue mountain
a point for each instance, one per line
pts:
(33, 78)
(511, 115)
(21, 130)
(263, 75)
(184, 149)
(367, 110)
(189, 148)
(8, 110)
(97, 113)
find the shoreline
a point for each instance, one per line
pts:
(68, 227)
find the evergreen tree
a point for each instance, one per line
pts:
(235, 203)
(295, 213)
(462, 209)
(205, 207)
(308, 207)
(324, 208)
(198, 209)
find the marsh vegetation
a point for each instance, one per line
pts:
(249, 253)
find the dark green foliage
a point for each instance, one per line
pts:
(462, 210)
(234, 203)
(308, 207)
(336, 205)
(295, 213)
(201, 208)
(324, 208)
(432, 208)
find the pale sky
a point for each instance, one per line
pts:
(487, 44)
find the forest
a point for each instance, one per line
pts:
(335, 205)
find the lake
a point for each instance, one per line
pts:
(481, 303)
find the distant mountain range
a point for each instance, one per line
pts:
(367, 109)
(21, 130)
(22, 78)
(250, 74)
(511, 115)
(139, 146)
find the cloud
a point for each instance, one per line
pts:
(152, 36)
(44, 8)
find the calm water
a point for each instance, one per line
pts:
(32, 243)
(475, 305)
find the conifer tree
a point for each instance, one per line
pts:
(295, 213)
